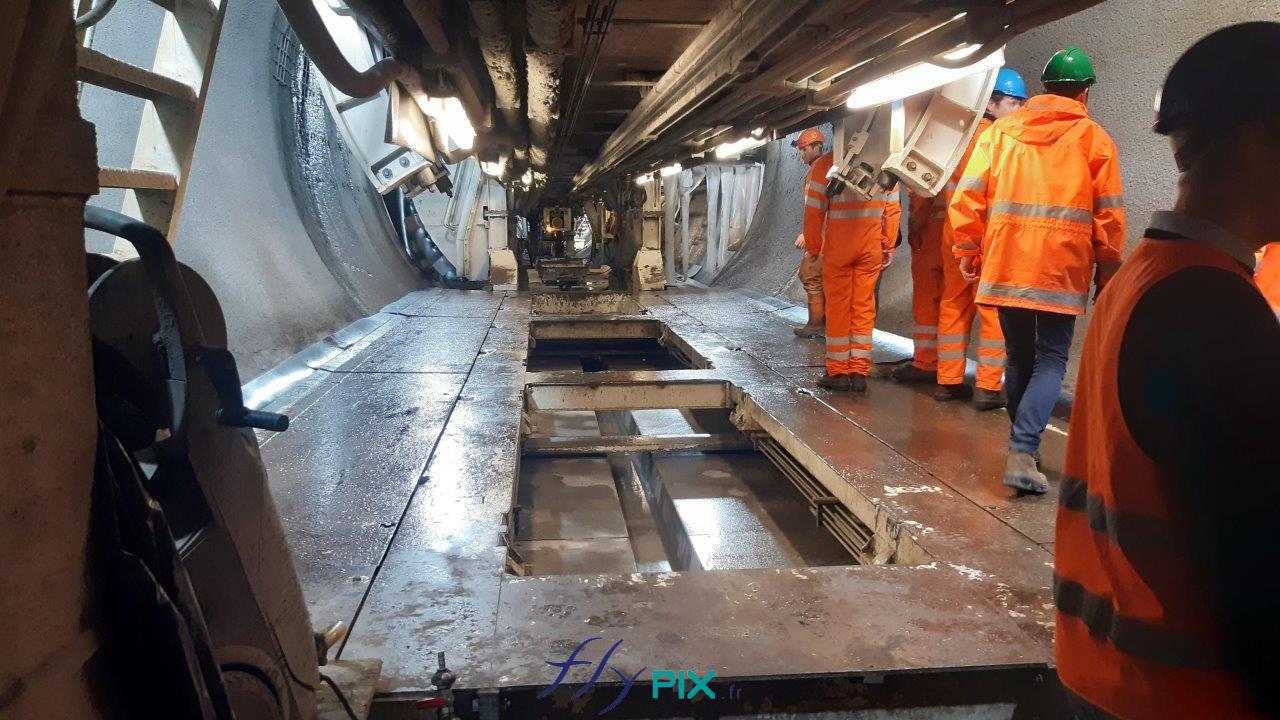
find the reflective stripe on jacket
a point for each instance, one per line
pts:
(1041, 203)
(848, 218)
(1135, 635)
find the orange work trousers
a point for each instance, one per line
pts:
(850, 268)
(955, 322)
(926, 296)
(810, 273)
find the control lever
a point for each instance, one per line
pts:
(220, 366)
(442, 680)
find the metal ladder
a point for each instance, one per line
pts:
(174, 90)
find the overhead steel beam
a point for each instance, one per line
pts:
(780, 64)
(662, 23)
(717, 55)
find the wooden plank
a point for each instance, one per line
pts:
(113, 177)
(112, 74)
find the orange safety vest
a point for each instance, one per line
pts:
(1267, 276)
(1134, 635)
(848, 218)
(1041, 203)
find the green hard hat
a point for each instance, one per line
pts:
(1069, 65)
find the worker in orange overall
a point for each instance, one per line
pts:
(1165, 534)
(856, 238)
(924, 235)
(1040, 206)
(942, 300)
(810, 144)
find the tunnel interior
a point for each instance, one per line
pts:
(521, 314)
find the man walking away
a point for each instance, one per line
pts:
(1039, 207)
(810, 144)
(1165, 550)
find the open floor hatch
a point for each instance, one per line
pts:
(653, 477)
(590, 345)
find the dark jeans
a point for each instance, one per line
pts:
(1036, 345)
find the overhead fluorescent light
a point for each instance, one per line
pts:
(670, 170)
(919, 78)
(737, 147)
(494, 169)
(448, 112)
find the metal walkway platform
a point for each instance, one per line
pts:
(398, 472)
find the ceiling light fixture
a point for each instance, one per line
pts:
(448, 112)
(919, 78)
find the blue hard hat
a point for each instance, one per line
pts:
(1009, 82)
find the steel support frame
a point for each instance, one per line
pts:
(718, 55)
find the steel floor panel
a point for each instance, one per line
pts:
(956, 444)
(343, 473)
(745, 623)
(982, 599)
(424, 345)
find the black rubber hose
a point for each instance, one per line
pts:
(95, 14)
(323, 51)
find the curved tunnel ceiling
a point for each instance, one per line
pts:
(585, 92)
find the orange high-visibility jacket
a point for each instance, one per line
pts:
(1267, 276)
(1135, 634)
(1041, 203)
(848, 218)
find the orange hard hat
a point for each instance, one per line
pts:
(809, 137)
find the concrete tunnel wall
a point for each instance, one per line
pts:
(1132, 44)
(277, 218)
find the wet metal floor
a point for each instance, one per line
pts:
(403, 461)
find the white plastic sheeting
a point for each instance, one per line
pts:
(732, 192)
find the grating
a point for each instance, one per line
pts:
(285, 56)
(829, 512)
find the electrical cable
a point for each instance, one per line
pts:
(341, 698)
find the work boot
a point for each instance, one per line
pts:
(947, 393)
(857, 383)
(984, 399)
(817, 325)
(1021, 474)
(909, 373)
(834, 382)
